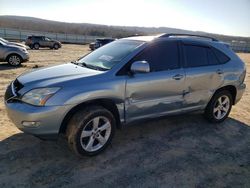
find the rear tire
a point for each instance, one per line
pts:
(219, 107)
(36, 46)
(56, 46)
(90, 130)
(14, 60)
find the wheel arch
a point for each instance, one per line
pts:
(231, 88)
(33, 45)
(13, 53)
(109, 104)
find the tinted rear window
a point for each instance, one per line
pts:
(212, 59)
(221, 56)
(195, 55)
(201, 56)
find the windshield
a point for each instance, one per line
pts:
(109, 55)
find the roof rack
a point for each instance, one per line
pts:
(188, 35)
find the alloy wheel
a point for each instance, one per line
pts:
(14, 60)
(221, 107)
(95, 134)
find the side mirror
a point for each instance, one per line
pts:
(140, 67)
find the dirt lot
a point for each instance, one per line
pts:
(181, 151)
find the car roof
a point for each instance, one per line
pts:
(142, 38)
(36, 36)
(183, 37)
(104, 39)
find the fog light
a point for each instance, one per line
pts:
(30, 124)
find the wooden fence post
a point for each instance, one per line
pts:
(20, 35)
(4, 32)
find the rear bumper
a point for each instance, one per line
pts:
(48, 118)
(240, 90)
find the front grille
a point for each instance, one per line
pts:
(17, 85)
(12, 90)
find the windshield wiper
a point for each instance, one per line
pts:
(96, 67)
(74, 62)
(83, 64)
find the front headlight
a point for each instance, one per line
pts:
(39, 96)
(24, 50)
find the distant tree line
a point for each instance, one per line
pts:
(27, 23)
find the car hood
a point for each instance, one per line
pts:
(17, 44)
(56, 41)
(55, 74)
(14, 47)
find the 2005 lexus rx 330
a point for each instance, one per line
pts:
(126, 80)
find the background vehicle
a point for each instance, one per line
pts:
(100, 42)
(13, 54)
(12, 43)
(127, 80)
(35, 42)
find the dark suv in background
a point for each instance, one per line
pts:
(35, 42)
(100, 42)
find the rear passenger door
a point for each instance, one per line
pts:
(204, 74)
(42, 42)
(160, 91)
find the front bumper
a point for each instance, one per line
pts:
(49, 117)
(25, 57)
(240, 90)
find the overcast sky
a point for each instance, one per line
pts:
(231, 17)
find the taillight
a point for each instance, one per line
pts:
(243, 76)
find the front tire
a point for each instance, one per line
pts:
(90, 130)
(219, 107)
(14, 60)
(56, 46)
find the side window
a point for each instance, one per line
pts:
(221, 56)
(195, 55)
(160, 56)
(212, 59)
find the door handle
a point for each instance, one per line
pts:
(219, 71)
(178, 76)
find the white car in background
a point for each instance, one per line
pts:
(13, 43)
(13, 54)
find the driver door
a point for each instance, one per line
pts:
(159, 91)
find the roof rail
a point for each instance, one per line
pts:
(188, 35)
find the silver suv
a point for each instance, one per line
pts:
(129, 79)
(13, 54)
